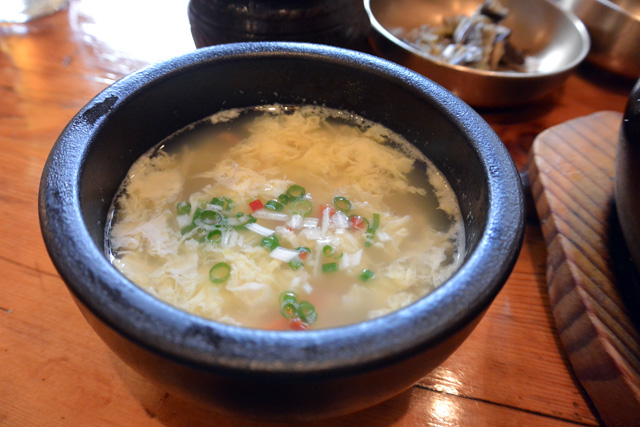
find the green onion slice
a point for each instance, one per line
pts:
(296, 191)
(224, 202)
(288, 296)
(327, 250)
(307, 312)
(220, 272)
(183, 208)
(283, 198)
(214, 236)
(209, 218)
(247, 219)
(366, 275)
(187, 229)
(330, 267)
(342, 204)
(200, 234)
(301, 207)
(289, 309)
(270, 242)
(368, 239)
(197, 214)
(295, 264)
(375, 225)
(274, 205)
(368, 236)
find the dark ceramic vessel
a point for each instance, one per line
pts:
(627, 174)
(262, 374)
(342, 23)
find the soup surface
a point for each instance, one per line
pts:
(281, 217)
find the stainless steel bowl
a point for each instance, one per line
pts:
(555, 38)
(614, 26)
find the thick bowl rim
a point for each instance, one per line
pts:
(511, 75)
(177, 335)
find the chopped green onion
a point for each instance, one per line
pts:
(376, 223)
(327, 250)
(187, 229)
(368, 239)
(288, 296)
(366, 275)
(183, 208)
(209, 218)
(274, 205)
(342, 204)
(307, 312)
(248, 219)
(270, 242)
(224, 202)
(214, 236)
(296, 191)
(289, 309)
(220, 272)
(200, 234)
(368, 236)
(295, 264)
(283, 198)
(197, 214)
(330, 267)
(301, 207)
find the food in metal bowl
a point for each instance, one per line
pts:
(479, 40)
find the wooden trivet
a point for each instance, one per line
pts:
(571, 169)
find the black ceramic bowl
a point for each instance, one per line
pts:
(263, 374)
(341, 23)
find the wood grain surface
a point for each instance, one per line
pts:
(55, 371)
(572, 175)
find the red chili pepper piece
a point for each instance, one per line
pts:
(256, 205)
(357, 223)
(332, 210)
(297, 324)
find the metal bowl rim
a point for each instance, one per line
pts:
(514, 75)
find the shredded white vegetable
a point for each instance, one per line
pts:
(283, 254)
(259, 229)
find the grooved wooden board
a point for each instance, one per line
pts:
(572, 178)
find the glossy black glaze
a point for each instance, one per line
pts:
(268, 374)
(627, 174)
(341, 23)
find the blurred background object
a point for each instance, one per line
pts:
(124, 35)
(340, 23)
(614, 26)
(21, 11)
(548, 36)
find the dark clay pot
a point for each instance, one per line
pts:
(341, 23)
(627, 175)
(277, 375)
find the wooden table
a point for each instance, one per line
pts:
(54, 370)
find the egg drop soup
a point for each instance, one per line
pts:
(279, 217)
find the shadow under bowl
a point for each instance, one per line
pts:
(554, 39)
(261, 374)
